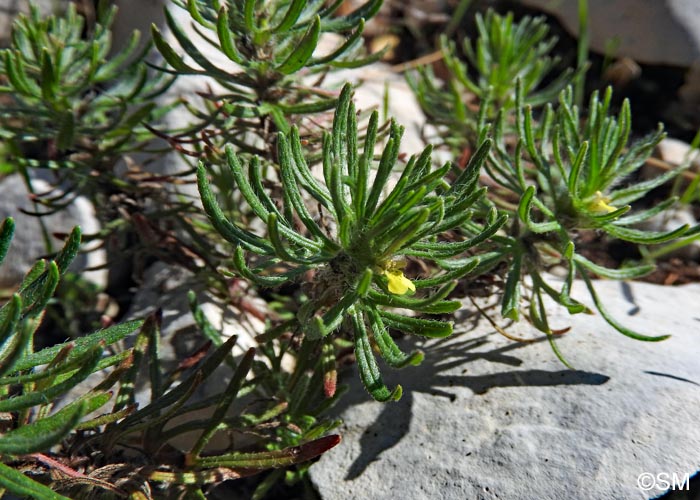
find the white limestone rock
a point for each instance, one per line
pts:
(28, 245)
(647, 31)
(677, 152)
(166, 287)
(487, 418)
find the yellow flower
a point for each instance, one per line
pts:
(398, 283)
(600, 204)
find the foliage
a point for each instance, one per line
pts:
(349, 242)
(33, 383)
(503, 53)
(73, 107)
(557, 173)
(569, 175)
(268, 47)
(357, 256)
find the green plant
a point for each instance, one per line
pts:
(72, 107)
(32, 383)
(356, 257)
(75, 110)
(270, 47)
(503, 53)
(567, 175)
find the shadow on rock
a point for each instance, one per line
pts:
(439, 372)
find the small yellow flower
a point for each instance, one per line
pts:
(600, 204)
(398, 283)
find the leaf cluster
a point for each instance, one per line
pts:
(73, 106)
(559, 171)
(32, 383)
(570, 174)
(354, 255)
(267, 49)
(483, 80)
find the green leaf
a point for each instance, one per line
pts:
(42, 434)
(14, 70)
(386, 165)
(424, 327)
(170, 56)
(303, 51)
(510, 303)
(30, 399)
(624, 273)
(272, 459)
(14, 348)
(390, 352)
(524, 208)
(226, 228)
(273, 231)
(348, 43)
(647, 214)
(612, 321)
(36, 296)
(81, 345)
(575, 173)
(19, 484)
(249, 16)
(249, 274)
(49, 81)
(191, 49)
(367, 365)
(291, 16)
(7, 230)
(469, 177)
(433, 304)
(226, 38)
(643, 237)
(466, 267)
(10, 318)
(70, 249)
(365, 11)
(450, 249)
(289, 183)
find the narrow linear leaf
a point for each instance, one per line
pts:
(612, 321)
(273, 459)
(302, 53)
(424, 327)
(19, 484)
(42, 434)
(7, 230)
(390, 352)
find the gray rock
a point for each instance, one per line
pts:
(28, 244)
(648, 31)
(677, 152)
(487, 418)
(166, 287)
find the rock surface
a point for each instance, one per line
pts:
(487, 418)
(649, 31)
(28, 246)
(166, 287)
